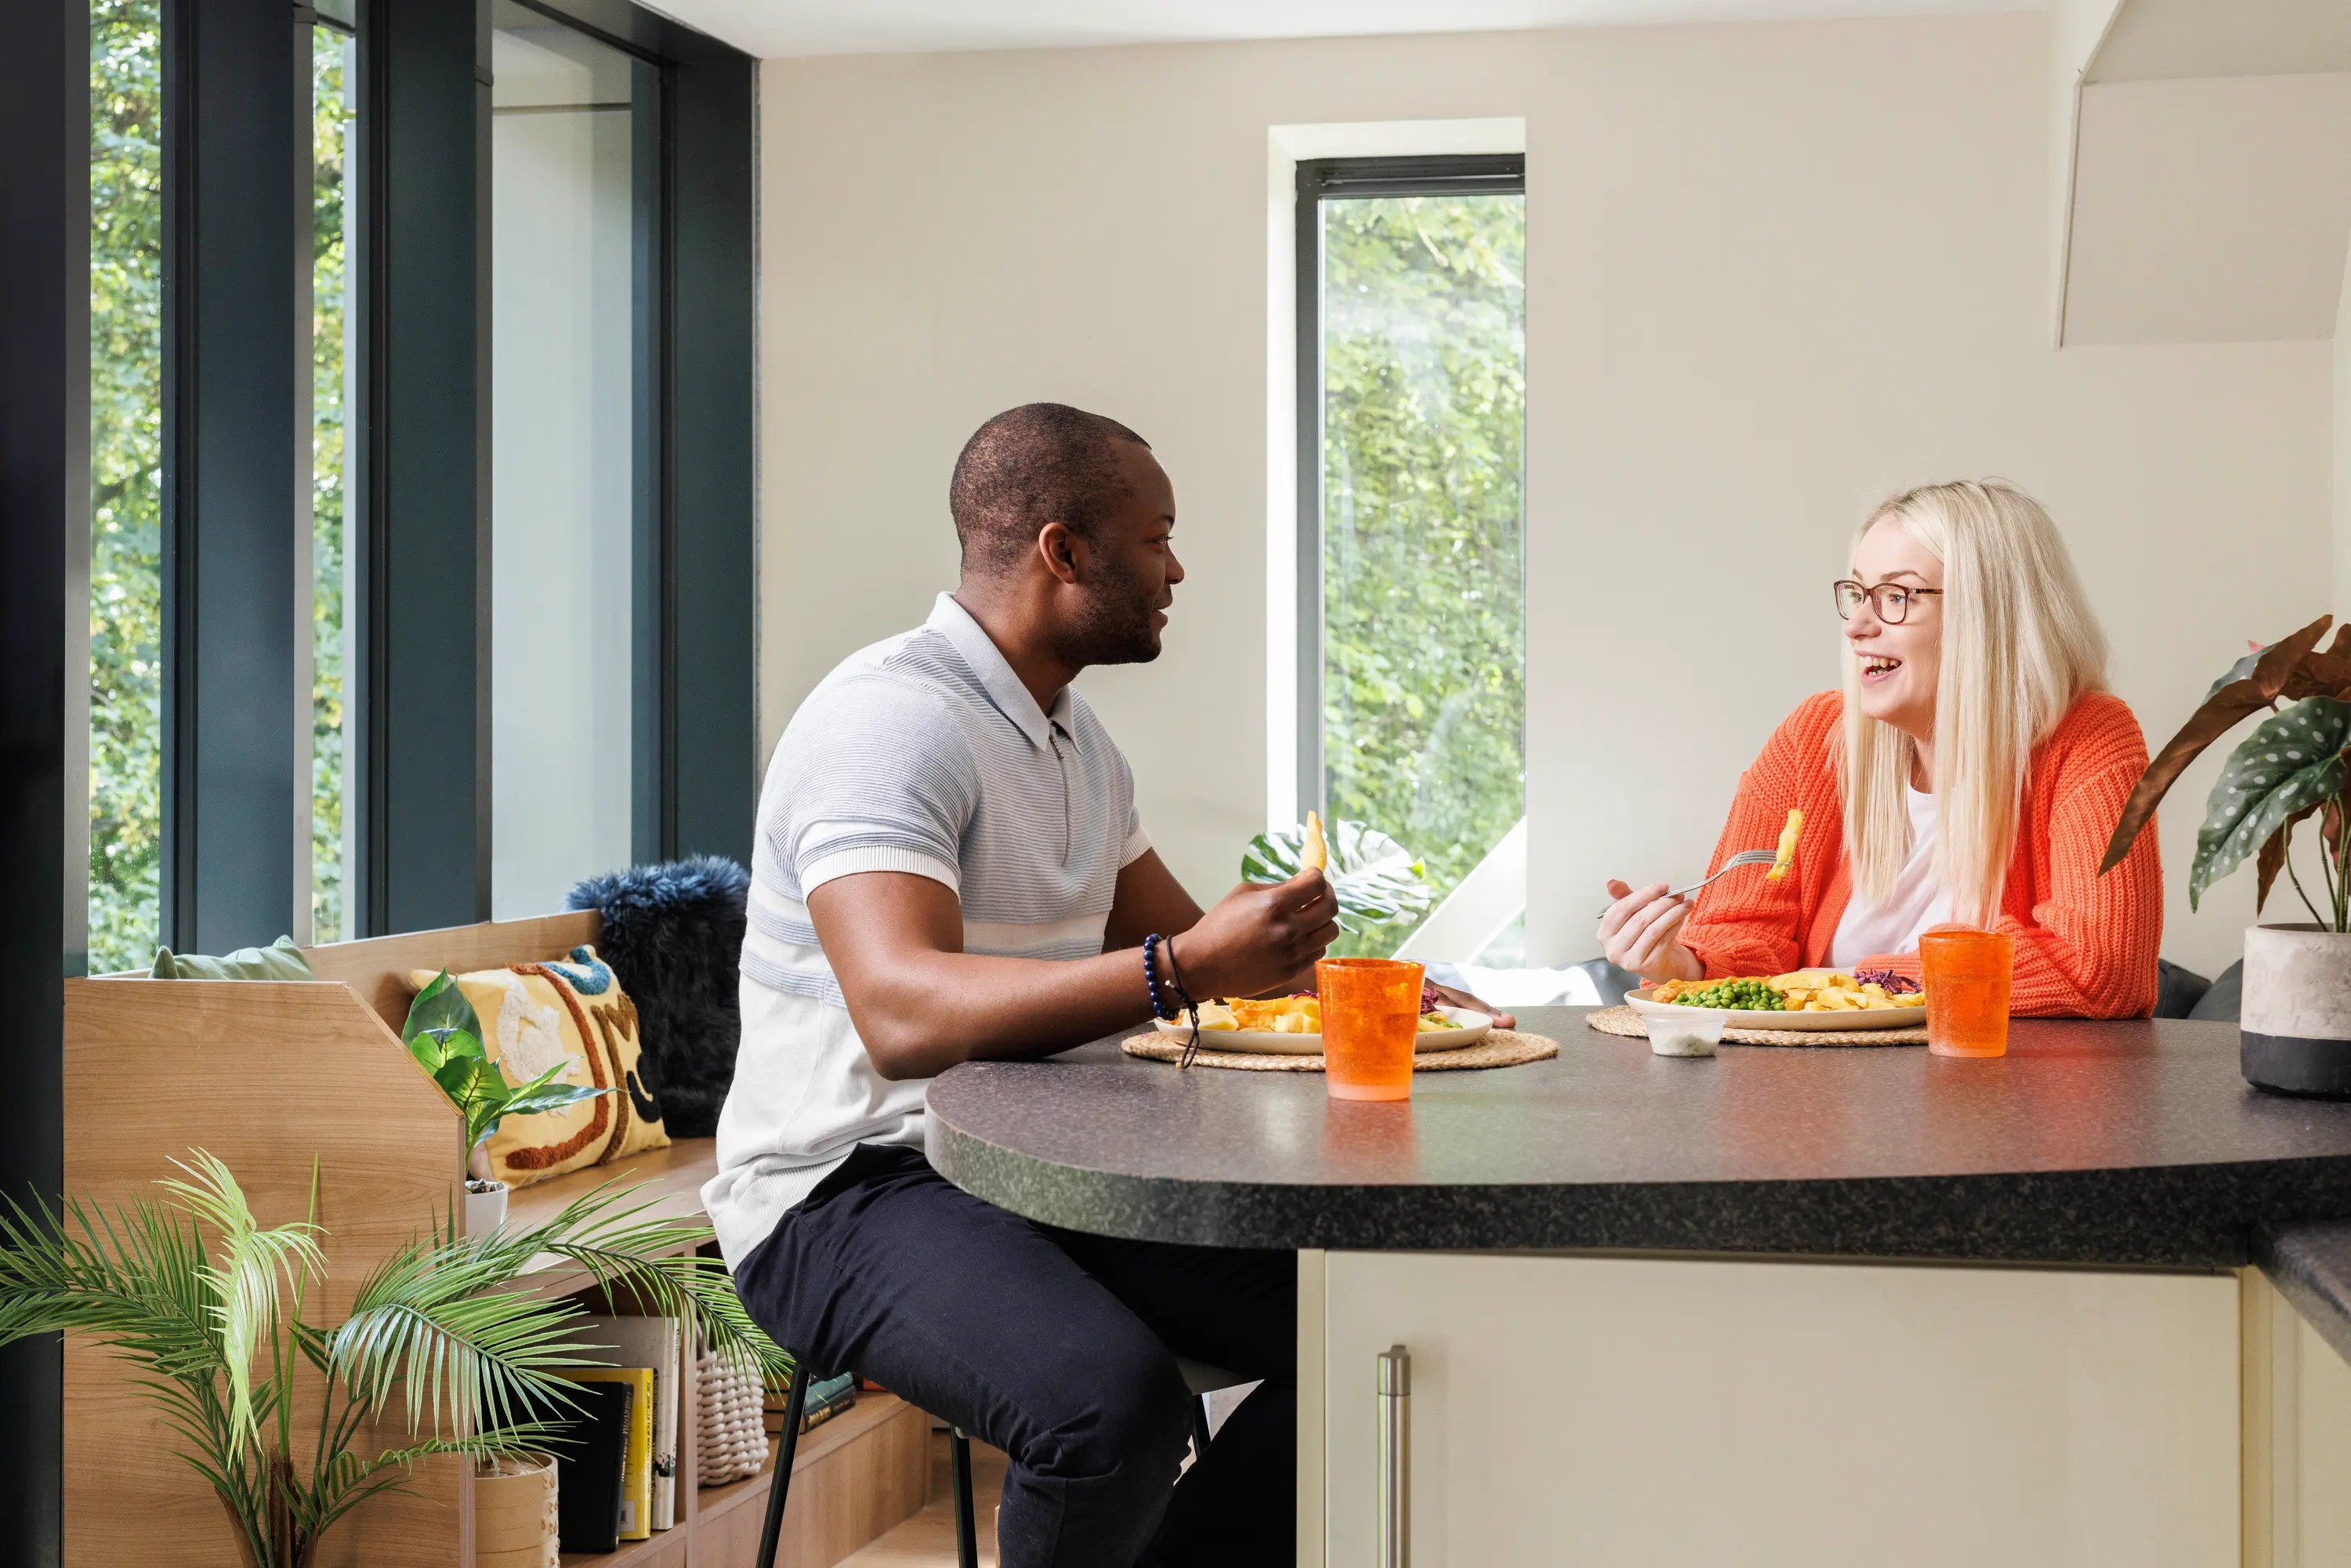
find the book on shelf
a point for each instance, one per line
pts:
(827, 1397)
(590, 1465)
(653, 1343)
(637, 1468)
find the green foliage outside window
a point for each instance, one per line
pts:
(126, 350)
(331, 122)
(126, 464)
(1424, 398)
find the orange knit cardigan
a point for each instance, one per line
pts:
(2085, 944)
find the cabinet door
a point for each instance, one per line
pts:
(1632, 1412)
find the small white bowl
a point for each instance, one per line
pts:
(1686, 1032)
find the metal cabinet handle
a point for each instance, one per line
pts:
(1395, 1458)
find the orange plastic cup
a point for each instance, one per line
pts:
(1966, 974)
(1371, 1017)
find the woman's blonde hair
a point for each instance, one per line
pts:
(2019, 646)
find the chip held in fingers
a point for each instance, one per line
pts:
(1316, 854)
(1787, 851)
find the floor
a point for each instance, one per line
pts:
(928, 1540)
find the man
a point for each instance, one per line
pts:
(950, 868)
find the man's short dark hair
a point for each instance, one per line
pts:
(1037, 464)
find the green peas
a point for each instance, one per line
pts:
(1746, 995)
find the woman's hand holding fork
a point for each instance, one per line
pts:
(1641, 931)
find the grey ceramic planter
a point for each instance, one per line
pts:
(2295, 1022)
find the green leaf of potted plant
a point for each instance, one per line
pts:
(444, 1036)
(2294, 1028)
(1375, 878)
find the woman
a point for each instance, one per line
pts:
(1969, 773)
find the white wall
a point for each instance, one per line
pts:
(2343, 443)
(1774, 272)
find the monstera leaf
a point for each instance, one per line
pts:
(2291, 765)
(1377, 879)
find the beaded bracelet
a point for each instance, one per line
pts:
(1159, 1006)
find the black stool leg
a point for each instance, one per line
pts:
(771, 1532)
(966, 1533)
(1200, 1433)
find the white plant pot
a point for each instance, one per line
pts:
(486, 1207)
(2294, 1023)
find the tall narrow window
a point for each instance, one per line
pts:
(574, 183)
(126, 464)
(332, 98)
(1412, 359)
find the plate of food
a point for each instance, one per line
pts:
(1827, 999)
(1292, 1026)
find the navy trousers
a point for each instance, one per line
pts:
(1060, 1349)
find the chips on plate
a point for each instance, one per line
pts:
(1810, 991)
(1284, 1014)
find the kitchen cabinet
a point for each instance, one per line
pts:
(1673, 1411)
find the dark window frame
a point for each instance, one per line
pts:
(425, 827)
(430, 54)
(43, 693)
(695, 694)
(1320, 180)
(235, 129)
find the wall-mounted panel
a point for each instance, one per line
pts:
(2154, 40)
(2210, 211)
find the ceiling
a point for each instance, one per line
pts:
(770, 28)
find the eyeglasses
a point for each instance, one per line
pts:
(1891, 600)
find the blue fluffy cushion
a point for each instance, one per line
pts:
(673, 933)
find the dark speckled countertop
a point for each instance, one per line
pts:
(2311, 1264)
(2127, 1143)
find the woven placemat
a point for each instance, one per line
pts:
(1624, 1020)
(1502, 1047)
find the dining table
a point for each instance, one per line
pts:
(1856, 1304)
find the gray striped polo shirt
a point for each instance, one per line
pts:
(924, 755)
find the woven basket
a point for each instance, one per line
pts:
(730, 1441)
(515, 1522)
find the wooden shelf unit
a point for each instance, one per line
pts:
(273, 1076)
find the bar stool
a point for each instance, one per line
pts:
(1198, 1377)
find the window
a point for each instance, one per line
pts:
(333, 100)
(343, 679)
(126, 469)
(1412, 483)
(575, 127)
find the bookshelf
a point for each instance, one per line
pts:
(156, 1068)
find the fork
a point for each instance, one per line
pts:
(1744, 857)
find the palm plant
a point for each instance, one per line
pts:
(209, 1305)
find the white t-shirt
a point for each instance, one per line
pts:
(1916, 902)
(924, 754)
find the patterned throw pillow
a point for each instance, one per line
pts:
(570, 1010)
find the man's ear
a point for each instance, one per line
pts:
(1062, 551)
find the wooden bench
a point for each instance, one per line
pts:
(273, 1076)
